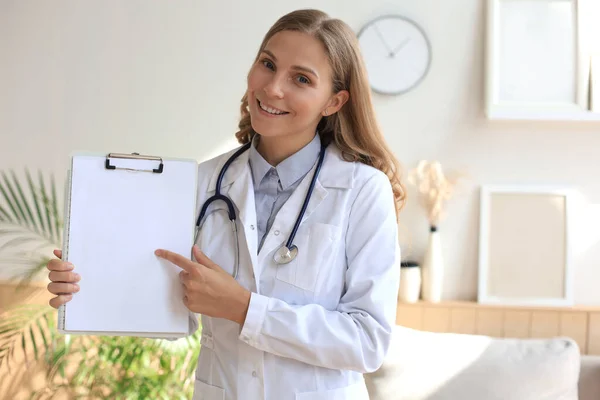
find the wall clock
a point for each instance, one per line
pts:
(397, 54)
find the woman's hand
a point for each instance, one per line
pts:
(208, 289)
(63, 280)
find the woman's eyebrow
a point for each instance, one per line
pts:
(298, 67)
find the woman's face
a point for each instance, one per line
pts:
(290, 87)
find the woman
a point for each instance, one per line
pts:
(307, 329)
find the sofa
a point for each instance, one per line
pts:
(450, 366)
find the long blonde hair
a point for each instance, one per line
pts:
(353, 128)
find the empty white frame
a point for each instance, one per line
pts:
(595, 83)
(524, 246)
(535, 68)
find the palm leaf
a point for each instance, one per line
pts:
(32, 222)
(22, 268)
(58, 358)
(19, 241)
(17, 230)
(17, 327)
(14, 201)
(33, 339)
(4, 215)
(42, 330)
(4, 189)
(47, 207)
(55, 215)
(46, 222)
(27, 215)
(36, 203)
(32, 271)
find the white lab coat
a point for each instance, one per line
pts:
(314, 326)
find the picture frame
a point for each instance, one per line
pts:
(537, 60)
(595, 83)
(525, 246)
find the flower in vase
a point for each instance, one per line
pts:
(434, 187)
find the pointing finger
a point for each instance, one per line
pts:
(178, 260)
(204, 260)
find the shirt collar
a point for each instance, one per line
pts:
(289, 170)
(258, 165)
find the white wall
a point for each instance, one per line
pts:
(161, 77)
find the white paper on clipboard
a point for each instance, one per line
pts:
(114, 221)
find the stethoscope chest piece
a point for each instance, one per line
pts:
(285, 255)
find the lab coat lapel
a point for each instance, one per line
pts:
(241, 192)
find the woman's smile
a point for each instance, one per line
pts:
(269, 111)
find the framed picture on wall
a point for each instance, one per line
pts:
(524, 246)
(537, 60)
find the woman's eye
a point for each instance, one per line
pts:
(268, 64)
(303, 79)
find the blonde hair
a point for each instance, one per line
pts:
(353, 128)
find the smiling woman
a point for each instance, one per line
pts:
(312, 64)
(302, 319)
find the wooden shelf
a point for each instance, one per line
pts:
(474, 304)
(582, 324)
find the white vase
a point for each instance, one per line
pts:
(410, 282)
(433, 268)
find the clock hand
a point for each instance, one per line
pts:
(383, 40)
(400, 47)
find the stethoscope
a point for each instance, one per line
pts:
(285, 253)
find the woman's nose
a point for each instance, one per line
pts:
(274, 87)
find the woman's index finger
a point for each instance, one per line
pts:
(177, 259)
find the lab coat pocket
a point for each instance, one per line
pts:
(204, 391)
(356, 391)
(316, 251)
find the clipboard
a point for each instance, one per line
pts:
(120, 208)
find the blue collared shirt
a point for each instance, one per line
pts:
(273, 186)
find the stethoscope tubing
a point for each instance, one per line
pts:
(290, 241)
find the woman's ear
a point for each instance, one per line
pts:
(336, 102)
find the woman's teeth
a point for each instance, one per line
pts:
(270, 110)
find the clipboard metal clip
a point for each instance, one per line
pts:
(134, 156)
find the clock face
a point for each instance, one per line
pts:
(397, 54)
